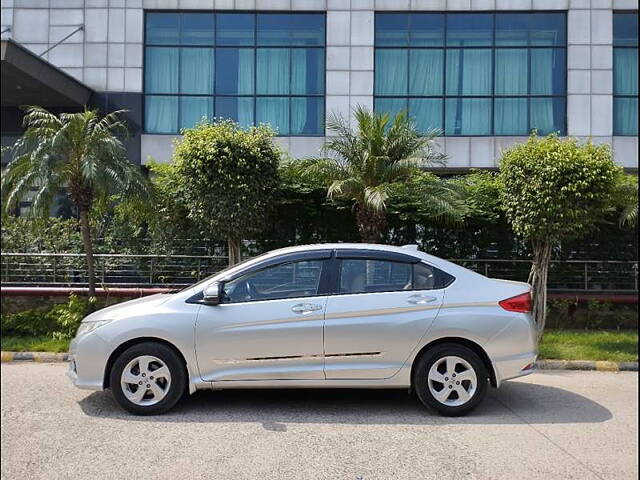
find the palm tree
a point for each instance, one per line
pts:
(365, 165)
(79, 152)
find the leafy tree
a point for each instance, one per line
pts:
(79, 152)
(628, 200)
(227, 179)
(365, 167)
(555, 189)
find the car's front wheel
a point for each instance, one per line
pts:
(148, 379)
(451, 379)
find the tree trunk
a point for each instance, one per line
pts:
(88, 249)
(370, 225)
(538, 280)
(234, 251)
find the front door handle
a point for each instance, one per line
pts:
(305, 308)
(421, 299)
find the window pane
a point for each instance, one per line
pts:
(426, 112)
(426, 72)
(469, 29)
(360, 276)
(161, 70)
(290, 280)
(307, 71)
(290, 29)
(272, 69)
(307, 116)
(511, 70)
(197, 29)
(625, 74)
(238, 109)
(468, 116)
(426, 29)
(625, 29)
(273, 29)
(235, 71)
(196, 70)
(547, 115)
(391, 72)
(392, 106)
(275, 112)
(307, 29)
(194, 109)
(625, 119)
(162, 28)
(392, 29)
(548, 71)
(548, 29)
(512, 29)
(469, 72)
(161, 114)
(510, 116)
(234, 29)
(426, 277)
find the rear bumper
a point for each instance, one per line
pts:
(514, 366)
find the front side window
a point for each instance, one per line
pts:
(288, 280)
(473, 73)
(625, 73)
(251, 68)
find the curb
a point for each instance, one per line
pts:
(601, 366)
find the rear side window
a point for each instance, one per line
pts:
(426, 277)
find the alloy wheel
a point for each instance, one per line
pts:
(452, 381)
(145, 380)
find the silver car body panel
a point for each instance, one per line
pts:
(358, 340)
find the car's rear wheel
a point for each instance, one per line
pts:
(451, 379)
(148, 379)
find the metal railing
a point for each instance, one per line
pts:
(67, 269)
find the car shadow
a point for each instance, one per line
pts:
(513, 403)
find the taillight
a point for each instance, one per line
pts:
(519, 303)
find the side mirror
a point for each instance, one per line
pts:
(212, 294)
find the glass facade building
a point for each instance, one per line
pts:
(473, 73)
(625, 73)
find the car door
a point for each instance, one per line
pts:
(381, 309)
(268, 326)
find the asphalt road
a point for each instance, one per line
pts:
(552, 425)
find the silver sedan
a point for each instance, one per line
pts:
(319, 316)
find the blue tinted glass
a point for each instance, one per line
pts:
(239, 109)
(392, 29)
(510, 116)
(547, 115)
(625, 71)
(426, 29)
(307, 29)
(469, 71)
(426, 112)
(234, 74)
(163, 28)
(194, 110)
(392, 106)
(548, 29)
(511, 71)
(625, 29)
(548, 71)
(426, 68)
(307, 71)
(161, 70)
(391, 72)
(290, 29)
(234, 29)
(469, 29)
(307, 116)
(512, 29)
(468, 116)
(196, 70)
(625, 117)
(275, 112)
(197, 29)
(160, 114)
(273, 71)
(273, 29)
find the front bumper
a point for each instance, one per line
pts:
(88, 356)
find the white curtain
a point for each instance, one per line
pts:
(469, 72)
(391, 72)
(161, 70)
(196, 70)
(273, 77)
(425, 72)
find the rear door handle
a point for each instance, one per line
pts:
(421, 299)
(306, 308)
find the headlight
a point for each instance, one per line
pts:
(88, 327)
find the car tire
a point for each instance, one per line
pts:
(156, 370)
(451, 391)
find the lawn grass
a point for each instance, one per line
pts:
(33, 344)
(556, 344)
(590, 345)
